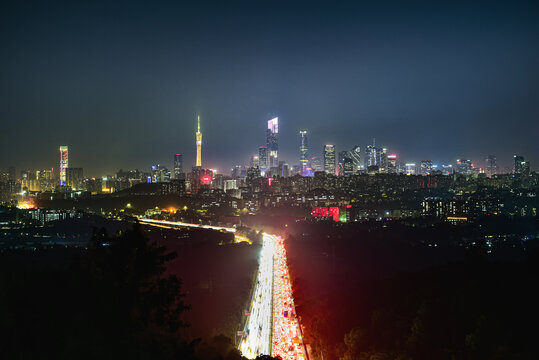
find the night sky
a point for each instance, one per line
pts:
(122, 84)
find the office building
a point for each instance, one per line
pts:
(74, 178)
(272, 142)
(391, 167)
(329, 159)
(520, 165)
(303, 152)
(64, 164)
(178, 166)
(263, 158)
(355, 155)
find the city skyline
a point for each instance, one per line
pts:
(441, 81)
(507, 165)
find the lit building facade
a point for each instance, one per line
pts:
(464, 166)
(391, 166)
(64, 164)
(74, 178)
(355, 155)
(272, 142)
(521, 166)
(303, 152)
(263, 158)
(329, 159)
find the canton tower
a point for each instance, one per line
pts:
(199, 145)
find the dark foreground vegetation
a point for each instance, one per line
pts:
(113, 300)
(384, 292)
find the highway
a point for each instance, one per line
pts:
(258, 328)
(178, 223)
(273, 328)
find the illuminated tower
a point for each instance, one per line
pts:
(199, 145)
(63, 165)
(303, 152)
(271, 142)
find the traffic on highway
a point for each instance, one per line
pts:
(272, 327)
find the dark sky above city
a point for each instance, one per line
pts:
(121, 84)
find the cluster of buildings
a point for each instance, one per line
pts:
(372, 181)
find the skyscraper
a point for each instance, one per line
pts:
(263, 158)
(521, 166)
(272, 143)
(64, 164)
(74, 178)
(346, 164)
(178, 165)
(343, 158)
(303, 152)
(329, 159)
(374, 155)
(391, 164)
(355, 155)
(491, 168)
(382, 160)
(199, 145)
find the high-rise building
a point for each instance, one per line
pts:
(178, 166)
(370, 156)
(346, 164)
(521, 166)
(491, 168)
(64, 164)
(263, 158)
(199, 144)
(464, 166)
(272, 142)
(303, 152)
(426, 167)
(517, 167)
(329, 159)
(74, 178)
(375, 156)
(382, 160)
(46, 180)
(355, 155)
(391, 167)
